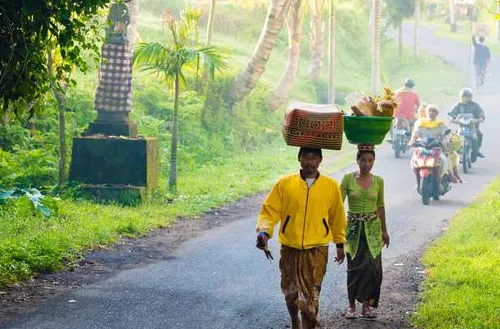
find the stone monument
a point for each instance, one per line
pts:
(110, 160)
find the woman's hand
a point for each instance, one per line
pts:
(385, 239)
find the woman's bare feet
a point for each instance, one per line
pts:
(368, 312)
(351, 313)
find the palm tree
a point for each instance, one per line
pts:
(416, 33)
(133, 8)
(170, 60)
(210, 24)
(451, 15)
(248, 78)
(294, 22)
(331, 53)
(498, 22)
(316, 31)
(377, 18)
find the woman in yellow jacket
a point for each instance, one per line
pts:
(310, 210)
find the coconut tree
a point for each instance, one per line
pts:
(451, 15)
(210, 24)
(248, 78)
(416, 29)
(294, 22)
(497, 17)
(331, 52)
(316, 32)
(171, 60)
(134, 11)
(377, 19)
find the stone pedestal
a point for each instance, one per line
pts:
(108, 165)
(112, 124)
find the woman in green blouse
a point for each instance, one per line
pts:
(366, 233)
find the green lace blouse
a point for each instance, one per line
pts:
(363, 201)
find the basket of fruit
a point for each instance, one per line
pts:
(371, 119)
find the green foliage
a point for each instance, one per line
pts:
(398, 10)
(462, 289)
(40, 203)
(27, 30)
(27, 168)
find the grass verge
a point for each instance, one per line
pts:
(462, 288)
(31, 243)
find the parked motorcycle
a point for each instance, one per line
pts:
(467, 130)
(426, 164)
(400, 136)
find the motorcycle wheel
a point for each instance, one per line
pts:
(427, 187)
(465, 158)
(397, 147)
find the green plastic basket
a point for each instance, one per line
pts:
(366, 129)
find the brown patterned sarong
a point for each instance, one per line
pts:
(302, 273)
(364, 274)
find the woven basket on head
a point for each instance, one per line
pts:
(313, 125)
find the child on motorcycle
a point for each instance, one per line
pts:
(452, 144)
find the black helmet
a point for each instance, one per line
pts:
(466, 92)
(409, 83)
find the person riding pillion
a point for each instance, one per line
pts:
(310, 210)
(467, 106)
(430, 127)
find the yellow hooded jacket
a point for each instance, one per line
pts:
(309, 217)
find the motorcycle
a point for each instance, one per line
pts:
(467, 130)
(426, 165)
(400, 136)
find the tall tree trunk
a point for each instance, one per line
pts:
(210, 25)
(417, 29)
(331, 53)
(133, 29)
(63, 149)
(294, 23)
(498, 23)
(317, 30)
(400, 39)
(172, 179)
(61, 100)
(451, 15)
(247, 79)
(377, 18)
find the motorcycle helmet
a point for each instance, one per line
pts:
(409, 83)
(466, 92)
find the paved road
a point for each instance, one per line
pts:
(219, 280)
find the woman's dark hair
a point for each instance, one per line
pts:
(360, 153)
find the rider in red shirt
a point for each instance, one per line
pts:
(408, 100)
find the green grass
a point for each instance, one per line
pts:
(31, 243)
(462, 289)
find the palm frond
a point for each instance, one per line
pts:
(150, 54)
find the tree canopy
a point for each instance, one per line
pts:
(398, 10)
(28, 28)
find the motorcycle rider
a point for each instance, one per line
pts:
(467, 106)
(408, 103)
(430, 127)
